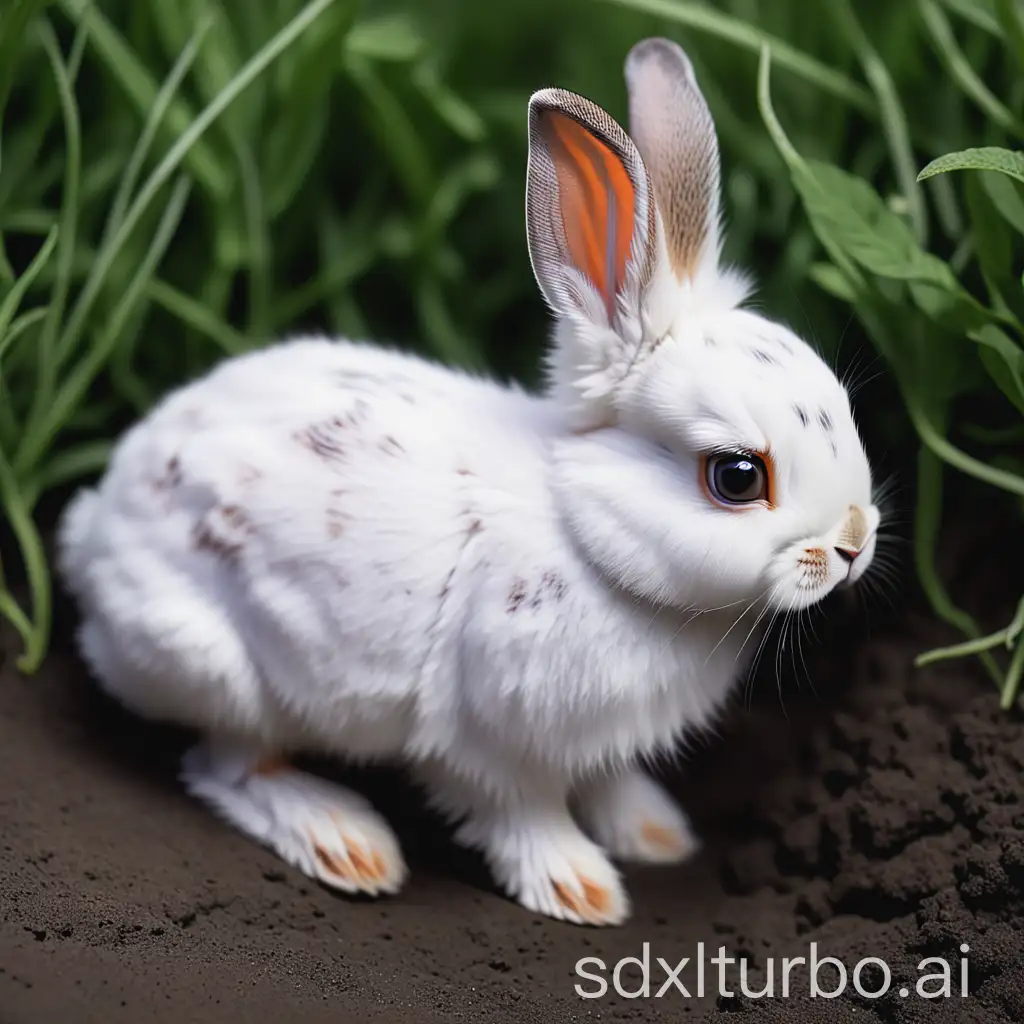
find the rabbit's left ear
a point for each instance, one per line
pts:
(589, 205)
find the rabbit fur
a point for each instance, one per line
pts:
(324, 546)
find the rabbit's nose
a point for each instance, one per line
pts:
(847, 553)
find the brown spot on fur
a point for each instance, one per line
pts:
(764, 357)
(323, 441)
(171, 476)
(814, 556)
(226, 538)
(465, 472)
(815, 562)
(475, 526)
(447, 585)
(552, 584)
(555, 584)
(205, 539)
(235, 516)
(331, 863)
(272, 764)
(596, 895)
(565, 897)
(516, 595)
(660, 837)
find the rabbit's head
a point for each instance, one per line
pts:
(712, 456)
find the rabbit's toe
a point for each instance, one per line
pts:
(325, 830)
(562, 874)
(634, 819)
(583, 890)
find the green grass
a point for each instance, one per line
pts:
(180, 181)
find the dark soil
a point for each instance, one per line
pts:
(880, 813)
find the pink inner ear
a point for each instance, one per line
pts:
(597, 201)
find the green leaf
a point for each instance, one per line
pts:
(1004, 361)
(992, 242)
(832, 280)
(856, 217)
(1005, 197)
(985, 158)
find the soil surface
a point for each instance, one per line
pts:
(879, 814)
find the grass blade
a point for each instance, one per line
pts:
(141, 89)
(197, 316)
(157, 112)
(9, 307)
(960, 68)
(894, 119)
(19, 515)
(45, 359)
(254, 67)
(75, 387)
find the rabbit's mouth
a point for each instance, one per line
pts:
(810, 569)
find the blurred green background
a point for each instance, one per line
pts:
(181, 180)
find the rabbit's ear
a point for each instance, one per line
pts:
(673, 130)
(589, 205)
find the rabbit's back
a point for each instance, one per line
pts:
(274, 545)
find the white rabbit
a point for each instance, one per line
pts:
(331, 547)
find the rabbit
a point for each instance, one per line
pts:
(336, 548)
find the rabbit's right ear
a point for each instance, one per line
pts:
(590, 213)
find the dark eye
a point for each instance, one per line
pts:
(737, 479)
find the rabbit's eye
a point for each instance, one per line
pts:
(737, 479)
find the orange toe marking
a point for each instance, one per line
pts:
(364, 867)
(380, 865)
(658, 835)
(331, 863)
(596, 895)
(270, 765)
(566, 898)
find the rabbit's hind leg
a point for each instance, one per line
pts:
(325, 830)
(634, 819)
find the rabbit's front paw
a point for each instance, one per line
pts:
(634, 819)
(325, 830)
(557, 871)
